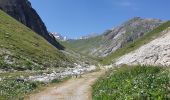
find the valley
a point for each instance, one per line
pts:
(129, 61)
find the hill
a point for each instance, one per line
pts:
(22, 11)
(23, 49)
(83, 46)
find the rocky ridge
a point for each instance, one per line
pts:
(125, 33)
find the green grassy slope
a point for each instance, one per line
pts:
(83, 46)
(135, 44)
(133, 83)
(21, 48)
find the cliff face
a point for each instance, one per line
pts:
(22, 11)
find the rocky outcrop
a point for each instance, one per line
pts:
(22, 11)
(157, 52)
(127, 32)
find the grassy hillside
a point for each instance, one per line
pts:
(136, 44)
(21, 48)
(133, 83)
(84, 46)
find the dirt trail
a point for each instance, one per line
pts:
(73, 89)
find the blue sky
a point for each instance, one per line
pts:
(76, 18)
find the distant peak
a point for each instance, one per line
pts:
(148, 19)
(137, 18)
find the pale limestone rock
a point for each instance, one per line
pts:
(157, 52)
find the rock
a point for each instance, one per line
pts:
(58, 36)
(6, 33)
(67, 72)
(22, 11)
(157, 52)
(21, 79)
(9, 60)
(6, 36)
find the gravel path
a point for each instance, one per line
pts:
(73, 89)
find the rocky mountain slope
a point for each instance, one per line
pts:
(22, 11)
(23, 49)
(131, 46)
(115, 38)
(127, 32)
(157, 52)
(58, 36)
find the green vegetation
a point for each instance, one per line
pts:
(22, 49)
(134, 83)
(14, 87)
(11, 89)
(83, 46)
(135, 44)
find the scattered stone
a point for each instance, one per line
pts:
(21, 79)
(6, 36)
(6, 33)
(76, 71)
(157, 52)
(8, 59)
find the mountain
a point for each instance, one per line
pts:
(115, 38)
(89, 36)
(22, 11)
(132, 46)
(156, 52)
(127, 32)
(23, 49)
(141, 65)
(58, 36)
